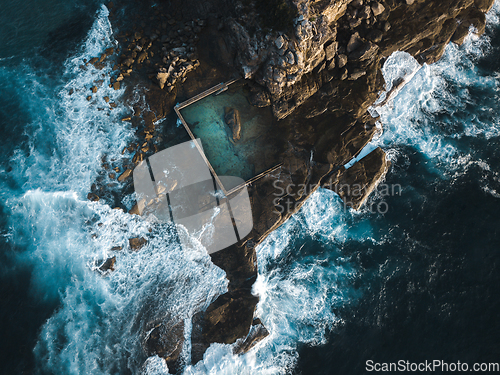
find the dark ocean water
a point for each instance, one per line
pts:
(418, 282)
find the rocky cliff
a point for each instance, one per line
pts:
(317, 65)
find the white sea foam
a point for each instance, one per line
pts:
(98, 327)
(430, 113)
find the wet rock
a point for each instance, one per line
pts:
(92, 197)
(108, 265)
(125, 175)
(137, 243)
(135, 210)
(232, 118)
(354, 185)
(257, 333)
(94, 89)
(229, 317)
(89, 98)
(116, 248)
(460, 34)
(166, 341)
(116, 86)
(106, 99)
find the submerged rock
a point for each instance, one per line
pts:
(232, 118)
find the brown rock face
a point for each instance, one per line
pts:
(166, 342)
(319, 76)
(355, 184)
(229, 317)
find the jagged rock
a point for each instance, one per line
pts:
(280, 42)
(354, 185)
(137, 243)
(377, 9)
(260, 99)
(341, 128)
(135, 210)
(364, 13)
(162, 79)
(354, 42)
(166, 341)
(257, 333)
(331, 50)
(116, 86)
(460, 34)
(229, 317)
(355, 22)
(341, 60)
(331, 65)
(232, 118)
(365, 52)
(128, 62)
(108, 265)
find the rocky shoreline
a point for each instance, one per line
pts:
(318, 68)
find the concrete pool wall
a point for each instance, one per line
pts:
(253, 154)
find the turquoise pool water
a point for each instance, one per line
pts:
(253, 153)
